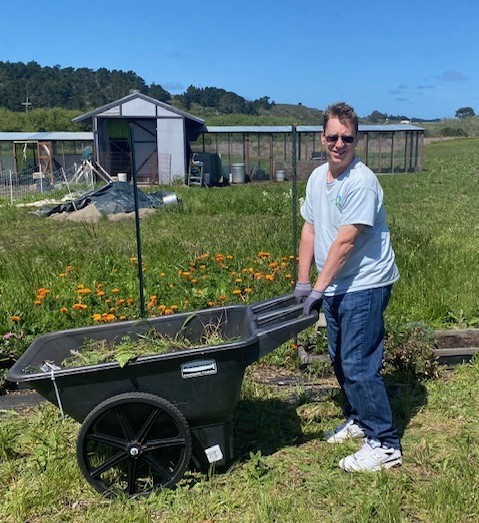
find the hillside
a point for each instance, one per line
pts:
(36, 98)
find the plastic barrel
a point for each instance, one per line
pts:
(280, 176)
(237, 173)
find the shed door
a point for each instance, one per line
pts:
(145, 150)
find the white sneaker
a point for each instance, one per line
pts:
(348, 430)
(371, 456)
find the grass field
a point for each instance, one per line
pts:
(234, 245)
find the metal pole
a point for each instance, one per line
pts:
(137, 226)
(294, 198)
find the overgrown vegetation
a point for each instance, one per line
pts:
(94, 352)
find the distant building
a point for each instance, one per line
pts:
(141, 135)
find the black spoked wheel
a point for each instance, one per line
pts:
(134, 443)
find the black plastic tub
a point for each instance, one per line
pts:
(148, 418)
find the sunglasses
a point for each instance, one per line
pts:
(334, 138)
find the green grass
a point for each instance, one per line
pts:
(283, 471)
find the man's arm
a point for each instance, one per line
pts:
(306, 252)
(338, 254)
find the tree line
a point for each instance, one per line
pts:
(24, 87)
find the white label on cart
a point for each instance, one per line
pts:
(214, 454)
(196, 368)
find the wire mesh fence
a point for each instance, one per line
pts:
(17, 185)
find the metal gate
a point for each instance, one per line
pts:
(145, 147)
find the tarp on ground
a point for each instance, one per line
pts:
(113, 198)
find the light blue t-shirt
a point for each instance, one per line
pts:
(354, 198)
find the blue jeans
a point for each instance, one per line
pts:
(355, 327)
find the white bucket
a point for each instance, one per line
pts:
(280, 176)
(237, 173)
(122, 177)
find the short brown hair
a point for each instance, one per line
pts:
(343, 112)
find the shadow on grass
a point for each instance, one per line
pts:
(407, 395)
(265, 426)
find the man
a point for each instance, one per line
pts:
(345, 232)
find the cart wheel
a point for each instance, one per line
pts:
(134, 443)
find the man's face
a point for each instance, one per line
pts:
(339, 141)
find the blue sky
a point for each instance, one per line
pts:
(418, 58)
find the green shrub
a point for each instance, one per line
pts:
(409, 352)
(453, 131)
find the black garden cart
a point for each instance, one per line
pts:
(144, 423)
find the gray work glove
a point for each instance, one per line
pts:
(302, 291)
(313, 302)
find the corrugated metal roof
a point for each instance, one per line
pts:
(46, 136)
(305, 128)
(249, 128)
(260, 129)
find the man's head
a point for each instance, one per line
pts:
(343, 112)
(340, 136)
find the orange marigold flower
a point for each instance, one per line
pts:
(193, 280)
(222, 297)
(80, 306)
(100, 293)
(238, 280)
(270, 277)
(174, 307)
(161, 307)
(272, 265)
(287, 276)
(122, 317)
(121, 301)
(37, 302)
(236, 291)
(264, 254)
(63, 310)
(211, 304)
(15, 318)
(62, 275)
(96, 317)
(108, 317)
(229, 257)
(84, 290)
(167, 311)
(162, 274)
(116, 290)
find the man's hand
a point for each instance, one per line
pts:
(313, 302)
(302, 291)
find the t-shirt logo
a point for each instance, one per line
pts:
(339, 202)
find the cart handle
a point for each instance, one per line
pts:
(277, 321)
